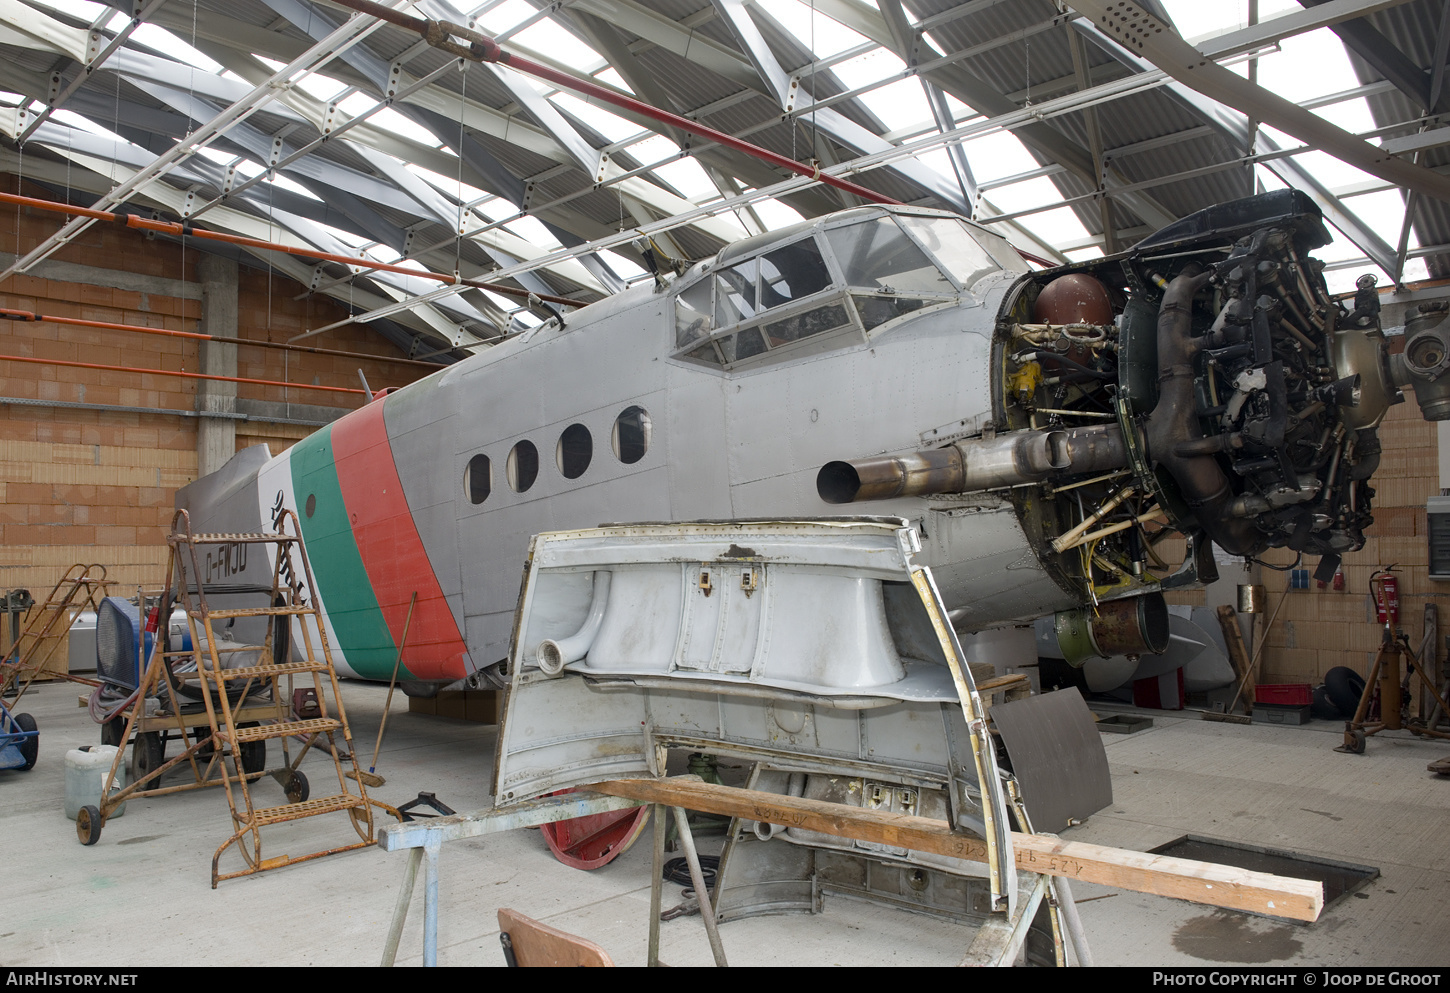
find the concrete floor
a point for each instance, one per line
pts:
(142, 895)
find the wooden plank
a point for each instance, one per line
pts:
(1233, 637)
(1183, 879)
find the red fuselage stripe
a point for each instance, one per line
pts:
(392, 551)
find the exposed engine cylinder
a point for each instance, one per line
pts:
(1202, 384)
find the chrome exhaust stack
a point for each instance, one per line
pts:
(1005, 460)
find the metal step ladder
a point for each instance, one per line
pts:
(295, 614)
(81, 588)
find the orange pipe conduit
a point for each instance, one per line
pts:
(186, 230)
(25, 315)
(182, 375)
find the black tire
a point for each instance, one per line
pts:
(298, 789)
(1322, 708)
(147, 755)
(1354, 742)
(1344, 687)
(204, 752)
(88, 825)
(30, 747)
(113, 732)
(254, 753)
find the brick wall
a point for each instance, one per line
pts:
(1319, 629)
(98, 486)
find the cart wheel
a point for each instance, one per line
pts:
(30, 747)
(1354, 742)
(113, 732)
(254, 753)
(88, 825)
(146, 755)
(297, 788)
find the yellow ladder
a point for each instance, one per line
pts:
(82, 586)
(291, 577)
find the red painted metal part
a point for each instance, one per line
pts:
(186, 230)
(589, 842)
(392, 551)
(182, 375)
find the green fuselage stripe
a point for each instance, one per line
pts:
(337, 566)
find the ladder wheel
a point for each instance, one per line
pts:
(146, 755)
(297, 788)
(88, 825)
(113, 732)
(1354, 742)
(30, 747)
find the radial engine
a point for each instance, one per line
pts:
(1202, 383)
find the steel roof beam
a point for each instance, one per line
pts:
(793, 99)
(1163, 46)
(1364, 40)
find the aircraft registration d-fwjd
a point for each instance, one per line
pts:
(1042, 430)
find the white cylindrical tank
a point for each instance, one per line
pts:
(85, 774)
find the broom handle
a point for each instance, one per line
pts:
(394, 681)
(1263, 640)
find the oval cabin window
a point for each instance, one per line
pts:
(478, 479)
(574, 451)
(523, 466)
(631, 435)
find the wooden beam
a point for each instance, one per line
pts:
(1183, 879)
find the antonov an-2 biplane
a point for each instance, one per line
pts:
(1043, 430)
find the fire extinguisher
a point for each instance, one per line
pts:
(1385, 586)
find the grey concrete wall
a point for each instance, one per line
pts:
(216, 438)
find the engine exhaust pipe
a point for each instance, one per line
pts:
(979, 464)
(1134, 626)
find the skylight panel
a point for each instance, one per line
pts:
(532, 230)
(217, 155)
(448, 185)
(996, 156)
(282, 182)
(323, 88)
(621, 266)
(83, 123)
(553, 42)
(505, 16)
(613, 127)
(1053, 226)
(384, 253)
(156, 37)
(611, 76)
(775, 214)
(898, 104)
(870, 68)
(813, 29)
(390, 120)
(1308, 65)
(689, 177)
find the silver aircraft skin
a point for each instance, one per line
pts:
(722, 393)
(721, 439)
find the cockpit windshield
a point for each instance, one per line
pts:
(877, 255)
(885, 267)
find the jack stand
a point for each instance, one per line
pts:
(425, 800)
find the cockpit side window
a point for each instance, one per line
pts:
(773, 300)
